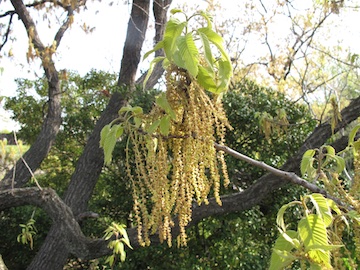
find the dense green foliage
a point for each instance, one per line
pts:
(237, 241)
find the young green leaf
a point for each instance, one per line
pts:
(207, 50)
(163, 103)
(152, 128)
(322, 208)
(173, 30)
(225, 72)
(151, 68)
(280, 216)
(307, 161)
(312, 231)
(189, 53)
(281, 256)
(353, 133)
(175, 10)
(108, 140)
(216, 39)
(165, 125)
(158, 46)
(206, 80)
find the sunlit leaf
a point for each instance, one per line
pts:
(322, 208)
(307, 161)
(151, 68)
(312, 231)
(280, 216)
(206, 80)
(207, 51)
(109, 136)
(189, 53)
(281, 256)
(158, 46)
(173, 30)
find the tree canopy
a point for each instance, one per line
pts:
(296, 95)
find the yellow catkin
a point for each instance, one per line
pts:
(174, 171)
(355, 187)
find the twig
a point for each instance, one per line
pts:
(26, 165)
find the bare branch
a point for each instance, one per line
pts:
(7, 33)
(290, 176)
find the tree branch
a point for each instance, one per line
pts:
(41, 147)
(160, 8)
(47, 199)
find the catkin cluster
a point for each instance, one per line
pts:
(174, 171)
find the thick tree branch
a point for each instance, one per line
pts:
(67, 226)
(160, 9)
(41, 147)
(53, 254)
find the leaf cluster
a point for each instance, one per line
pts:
(118, 245)
(310, 242)
(192, 50)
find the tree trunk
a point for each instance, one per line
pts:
(53, 254)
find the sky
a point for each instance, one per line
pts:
(100, 49)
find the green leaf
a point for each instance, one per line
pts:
(312, 231)
(207, 51)
(330, 150)
(208, 18)
(322, 207)
(189, 53)
(175, 10)
(225, 73)
(281, 256)
(173, 30)
(354, 215)
(216, 39)
(151, 129)
(356, 145)
(353, 133)
(165, 125)
(103, 134)
(307, 161)
(137, 110)
(206, 80)
(158, 46)
(125, 109)
(325, 247)
(340, 164)
(122, 252)
(163, 103)
(108, 138)
(333, 206)
(151, 68)
(280, 216)
(137, 122)
(110, 259)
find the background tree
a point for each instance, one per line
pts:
(66, 237)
